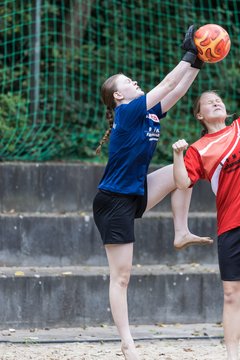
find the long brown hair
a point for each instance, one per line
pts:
(107, 91)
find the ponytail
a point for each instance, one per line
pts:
(109, 118)
(107, 90)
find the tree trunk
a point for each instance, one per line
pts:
(77, 20)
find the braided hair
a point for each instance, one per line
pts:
(110, 118)
(108, 88)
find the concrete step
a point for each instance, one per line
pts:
(53, 239)
(108, 333)
(66, 187)
(78, 296)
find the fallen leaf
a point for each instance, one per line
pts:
(19, 273)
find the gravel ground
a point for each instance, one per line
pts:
(209, 349)
(157, 341)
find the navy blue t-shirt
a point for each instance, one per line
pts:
(133, 141)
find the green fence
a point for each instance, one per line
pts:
(55, 55)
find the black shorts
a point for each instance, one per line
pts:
(114, 215)
(229, 255)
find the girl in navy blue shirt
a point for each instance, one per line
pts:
(126, 190)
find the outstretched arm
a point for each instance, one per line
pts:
(180, 90)
(170, 83)
(178, 81)
(180, 173)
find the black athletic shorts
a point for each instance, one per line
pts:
(114, 215)
(229, 255)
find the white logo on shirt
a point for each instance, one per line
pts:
(153, 117)
(153, 134)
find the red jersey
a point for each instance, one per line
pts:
(216, 158)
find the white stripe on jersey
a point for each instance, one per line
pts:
(203, 151)
(216, 174)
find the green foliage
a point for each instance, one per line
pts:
(81, 44)
(144, 42)
(13, 123)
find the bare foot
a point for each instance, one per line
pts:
(129, 351)
(191, 239)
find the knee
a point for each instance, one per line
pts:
(231, 296)
(122, 278)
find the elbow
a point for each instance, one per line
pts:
(180, 91)
(177, 90)
(170, 84)
(181, 186)
(182, 183)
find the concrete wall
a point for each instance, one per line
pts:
(53, 268)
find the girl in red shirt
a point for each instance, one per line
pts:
(216, 158)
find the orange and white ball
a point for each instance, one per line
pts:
(213, 43)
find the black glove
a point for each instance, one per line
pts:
(198, 64)
(188, 42)
(191, 50)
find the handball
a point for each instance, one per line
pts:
(213, 43)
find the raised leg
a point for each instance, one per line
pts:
(180, 200)
(161, 183)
